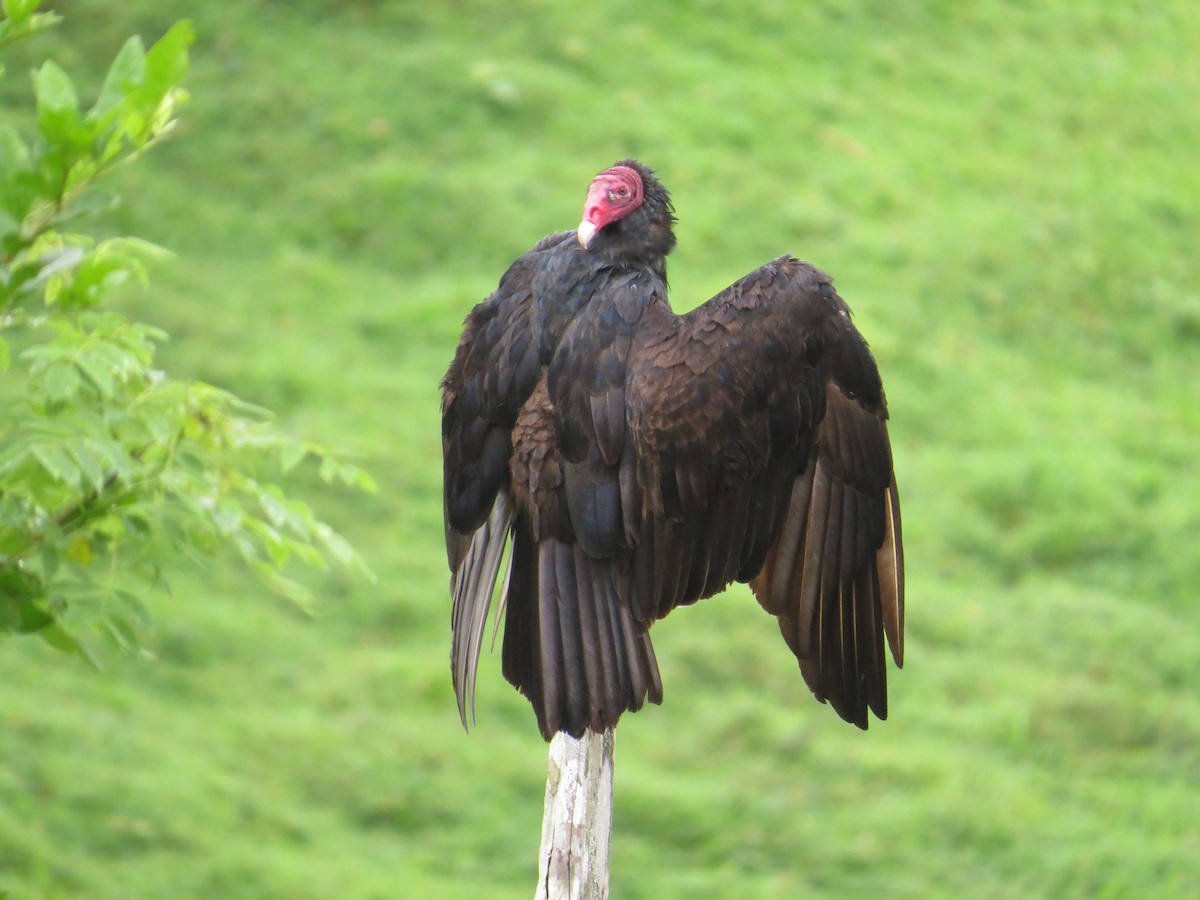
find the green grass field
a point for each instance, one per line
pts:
(1007, 194)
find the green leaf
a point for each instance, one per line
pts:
(58, 104)
(14, 455)
(54, 635)
(337, 546)
(167, 60)
(228, 516)
(14, 153)
(56, 462)
(53, 88)
(18, 10)
(61, 382)
(272, 501)
(291, 454)
(20, 609)
(334, 470)
(58, 262)
(91, 465)
(98, 374)
(135, 611)
(123, 633)
(115, 458)
(294, 591)
(127, 71)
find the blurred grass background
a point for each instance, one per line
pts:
(1006, 193)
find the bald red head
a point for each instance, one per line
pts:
(614, 193)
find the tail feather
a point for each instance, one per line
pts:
(571, 645)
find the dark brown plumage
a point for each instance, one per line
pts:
(636, 460)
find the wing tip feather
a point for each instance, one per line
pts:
(473, 584)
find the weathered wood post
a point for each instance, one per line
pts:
(577, 822)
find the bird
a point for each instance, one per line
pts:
(621, 460)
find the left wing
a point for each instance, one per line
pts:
(494, 371)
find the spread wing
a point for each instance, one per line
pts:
(744, 441)
(834, 575)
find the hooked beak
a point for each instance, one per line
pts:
(585, 233)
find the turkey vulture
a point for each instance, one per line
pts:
(625, 460)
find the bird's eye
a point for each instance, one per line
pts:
(623, 192)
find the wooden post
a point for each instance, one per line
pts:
(577, 822)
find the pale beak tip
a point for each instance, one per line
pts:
(585, 233)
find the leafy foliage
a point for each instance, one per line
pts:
(109, 467)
